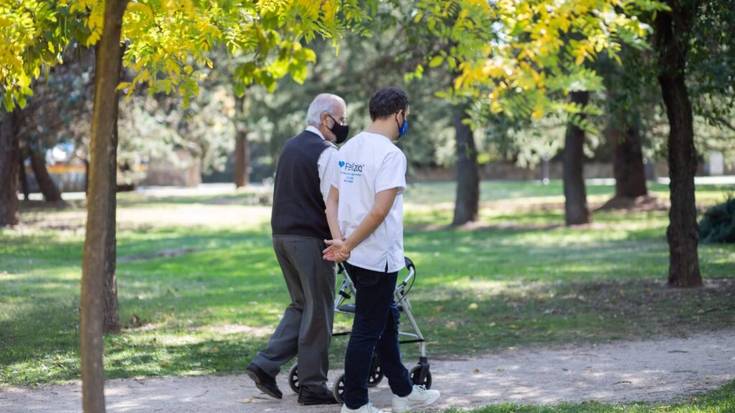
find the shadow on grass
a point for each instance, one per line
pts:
(39, 337)
(206, 356)
(469, 318)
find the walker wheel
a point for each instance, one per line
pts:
(338, 388)
(416, 378)
(376, 373)
(293, 378)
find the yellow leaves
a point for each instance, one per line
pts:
(436, 61)
(23, 80)
(164, 39)
(527, 57)
(539, 107)
(95, 19)
(29, 39)
(171, 66)
(124, 87)
(495, 97)
(309, 55)
(499, 67)
(328, 10)
(581, 51)
(469, 75)
(311, 8)
(137, 12)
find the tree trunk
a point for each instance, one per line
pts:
(23, 177)
(545, 170)
(242, 150)
(101, 151)
(86, 175)
(576, 211)
(46, 185)
(467, 202)
(111, 323)
(628, 168)
(671, 39)
(9, 153)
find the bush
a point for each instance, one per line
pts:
(718, 223)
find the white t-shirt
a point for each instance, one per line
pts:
(327, 165)
(370, 163)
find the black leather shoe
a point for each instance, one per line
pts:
(263, 381)
(310, 396)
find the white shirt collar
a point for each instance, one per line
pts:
(313, 129)
(380, 135)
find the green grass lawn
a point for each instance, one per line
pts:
(441, 192)
(200, 290)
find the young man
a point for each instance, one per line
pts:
(366, 206)
(303, 178)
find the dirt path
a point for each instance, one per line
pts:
(656, 370)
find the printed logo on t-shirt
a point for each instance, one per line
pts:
(351, 170)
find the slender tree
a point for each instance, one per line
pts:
(102, 148)
(22, 176)
(576, 210)
(672, 37)
(467, 201)
(628, 167)
(242, 152)
(9, 154)
(630, 92)
(111, 321)
(46, 184)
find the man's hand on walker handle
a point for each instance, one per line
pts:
(337, 250)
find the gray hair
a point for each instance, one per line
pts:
(324, 102)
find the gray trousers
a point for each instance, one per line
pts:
(306, 327)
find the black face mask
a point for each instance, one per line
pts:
(339, 130)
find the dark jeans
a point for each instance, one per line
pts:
(375, 328)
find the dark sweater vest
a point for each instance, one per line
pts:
(298, 206)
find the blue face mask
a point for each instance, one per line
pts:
(403, 128)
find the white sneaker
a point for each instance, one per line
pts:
(419, 397)
(366, 408)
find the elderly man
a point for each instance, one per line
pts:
(306, 168)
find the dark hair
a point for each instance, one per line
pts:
(387, 101)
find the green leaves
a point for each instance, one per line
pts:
(182, 35)
(168, 42)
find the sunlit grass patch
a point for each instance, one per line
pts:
(718, 401)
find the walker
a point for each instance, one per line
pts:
(420, 374)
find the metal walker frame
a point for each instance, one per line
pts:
(421, 373)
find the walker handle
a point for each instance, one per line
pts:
(409, 264)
